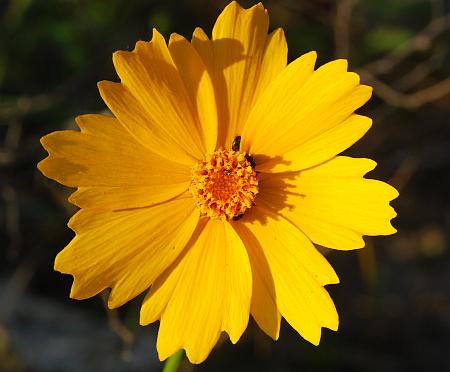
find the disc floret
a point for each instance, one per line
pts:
(224, 185)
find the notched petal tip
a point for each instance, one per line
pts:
(113, 303)
(260, 6)
(140, 45)
(200, 34)
(196, 356)
(119, 57)
(102, 87)
(74, 293)
(43, 140)
(234, 338)
(48, 141)
(174, 37)
(157, 36)
(310, 54)
(337, 67)
(50, 165)
(314, 339)
(394, 231)
(279, 33)
(367, 87)
(143, 321)
(234, 9)
(77, 292)
(333, 277)
(370, 165)
(72, 199)
(105, 86)
(362, 92)
(59, 263)
(233, 4)
(365, 120)
(110, 90)
(306, 60)
(394, 193)
(41, 165)
(342, 63)
(391, 230)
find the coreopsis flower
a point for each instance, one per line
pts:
(211, 182)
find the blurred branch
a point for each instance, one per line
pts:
(8, 152)
(26, 104)
(420, 42)
(342, 28)
(13, 135)
(422, 70)
(406, 100)
(117, 326)
(404, 173)
(368, 264)
(20, 106)
(15, 287)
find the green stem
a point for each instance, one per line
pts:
(173, 362)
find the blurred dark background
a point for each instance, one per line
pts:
(394, 299)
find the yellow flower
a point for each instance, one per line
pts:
(210, 184)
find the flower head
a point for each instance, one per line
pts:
(224, 185)
(210, 183)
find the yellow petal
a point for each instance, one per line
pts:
(263, 306)
(152, 78)
(198, 86)
(125, 197)
(304, 110)
(298, 271)
(200, 41)
(332, 203)
(318, 149)
(280, 94)
(237, 63)
(274, 60)
(104, 159)
(206, 292)
(125, 250)
(242, 59)
(141, 125)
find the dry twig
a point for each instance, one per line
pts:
(420, 42)
(117, 326)
(342, 28)
(406, 100)
(370, 72)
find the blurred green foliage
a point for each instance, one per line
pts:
(385, 39)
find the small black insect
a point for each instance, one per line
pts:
(236, 145)
(238, 217)
(250, 160)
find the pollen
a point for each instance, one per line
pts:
(224, 185)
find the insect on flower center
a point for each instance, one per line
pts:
(224, 185)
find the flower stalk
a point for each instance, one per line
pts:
(172, 363)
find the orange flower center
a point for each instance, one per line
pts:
(224, 185)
